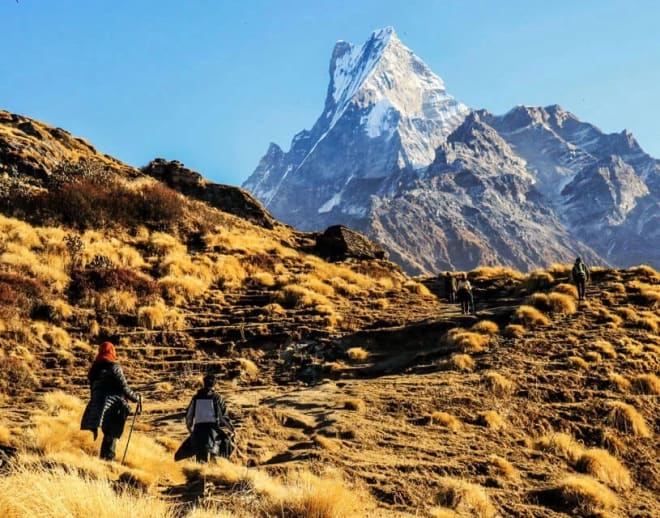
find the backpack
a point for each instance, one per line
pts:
(580, 271)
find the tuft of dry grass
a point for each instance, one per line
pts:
(561, 444)
(619, 381)
(514, 331)
(531, 317)
(538, 280)
(498, 385)
(577, 362)
(561, 303)
(357, 354)
(499, 466)
(486, 327)
(593, 357)
(465, 498)
(264, 279)
(417, 288)
(625, 418)
(606, 468)
(446, 420)
(586, 496)
(491, 419)
(461, 362)
(567, 289)
(355, 404)
(648, 384)
(326, 443)
(249, 368)
(466, 341)
(489, 273)
(605, 348)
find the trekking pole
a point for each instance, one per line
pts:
(138, 408)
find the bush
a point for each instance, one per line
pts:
(19, 295)
(531, 317)
(16, 376)
(84, 282)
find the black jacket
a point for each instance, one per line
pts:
(109, 389)
(219, 406)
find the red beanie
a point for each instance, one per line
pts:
(106, 352)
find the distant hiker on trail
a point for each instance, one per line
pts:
(450, 287)
(580, 277)
(464, 292)
(107, 407)
(211, 431)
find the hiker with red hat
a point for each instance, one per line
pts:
(107, 408)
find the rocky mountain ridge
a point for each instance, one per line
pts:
(527, 188)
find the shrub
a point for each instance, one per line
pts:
(625, 418)
(84, 282)
(562, 304)
(485, 327)
(514, 331)
(491, 419)
(357, 354)
(417, 288)
(646, 384)
(465, 498)
(158, 206)
(446, 420)
(531, 317)
(355, 404)
(561, 444)
(538, 280)
(16, 376)
(461, 362)
(605, 348)
(498, 385)
(466, 341)
(567, 289)
(607, 469)
(586, 496)
(19, 295)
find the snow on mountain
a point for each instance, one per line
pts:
(441, 186)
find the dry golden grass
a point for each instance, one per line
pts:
(538, 280)
(315, 284)
(381, 303)
(466, 341)
(182, 289)
(566, 289)
(293, 296)
(514, 331)
(487, 273)
(60, 493)
(445, 420)
(357, 354)
(605, 468)
(646, 272)
(648, 384)
(274, 310)
(487, 327)
(531, 317)
(465, 498)
(355, 404)
(5, 435)
(327, 443)
(501, 467)
(605, 348)
(345, 288)
(491, 419)
(461, 362)
(560, 444)
(417, 288)
(619, 381)
(151, 317)
(249, 368)
(264, 279)
(576, 362)
(627, 419)
(593, 357)
(498, 385)
(562, 304)
(605, 316)
(587, 496)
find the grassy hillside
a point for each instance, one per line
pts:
(357, 391)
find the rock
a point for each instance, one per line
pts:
(339, 242)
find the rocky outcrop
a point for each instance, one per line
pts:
(227, 198)
(338, 243)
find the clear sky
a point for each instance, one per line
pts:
(212, 82)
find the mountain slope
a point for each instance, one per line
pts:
(528, 188)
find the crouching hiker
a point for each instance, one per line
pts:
(211, 431)
(107, 408)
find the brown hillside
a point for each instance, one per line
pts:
(357, 391)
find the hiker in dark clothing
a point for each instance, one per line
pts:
(211, 431)
(450, 287)
(464, 292)
(107, 407)
(580, 275)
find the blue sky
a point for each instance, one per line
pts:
(211, 83)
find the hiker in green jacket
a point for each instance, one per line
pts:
(580, 275)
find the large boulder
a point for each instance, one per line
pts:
(339, 242)
(224, 197)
